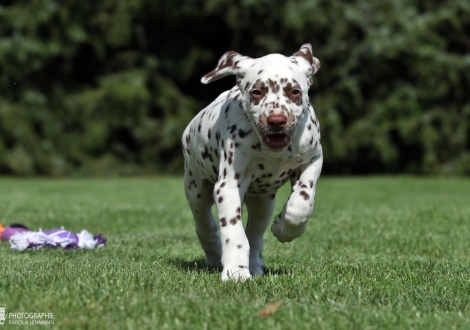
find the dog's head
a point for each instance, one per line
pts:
(274, 90)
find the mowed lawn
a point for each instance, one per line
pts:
(378, 253)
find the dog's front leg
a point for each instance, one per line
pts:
(291, 222)
(228, 195)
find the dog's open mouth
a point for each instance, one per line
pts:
(276, 141)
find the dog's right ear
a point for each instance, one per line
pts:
(231, 63)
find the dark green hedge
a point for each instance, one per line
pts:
(107, 87)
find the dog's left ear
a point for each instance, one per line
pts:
(306, 53)
(231, 63)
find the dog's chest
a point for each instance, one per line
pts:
(267, 175)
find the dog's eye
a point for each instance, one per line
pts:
(256, 93)
(296, 92)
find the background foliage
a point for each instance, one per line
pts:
(107, 87)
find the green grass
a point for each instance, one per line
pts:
(378, 253)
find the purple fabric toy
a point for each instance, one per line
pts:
(12, 230)
(21, 238)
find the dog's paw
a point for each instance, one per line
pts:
(256, 266)
(213, 261)
(286, 232)
(256, 270)
(239, 274)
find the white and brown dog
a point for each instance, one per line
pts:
(243, 147)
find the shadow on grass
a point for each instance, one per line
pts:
(199, 266)
(196, 265)
(278, 271)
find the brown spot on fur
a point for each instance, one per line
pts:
(242, 134)
(256, 146)
(206, 154)
(304, 195)
(247, 86)
(223, 222)
(274, 86)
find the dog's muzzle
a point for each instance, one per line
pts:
(275, 134)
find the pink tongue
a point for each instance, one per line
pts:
(276, 141)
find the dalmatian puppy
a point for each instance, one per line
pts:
(242, 148)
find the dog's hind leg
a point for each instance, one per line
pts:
(199, 195)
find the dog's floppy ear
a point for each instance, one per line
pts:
(306, 53)
(231, 63)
